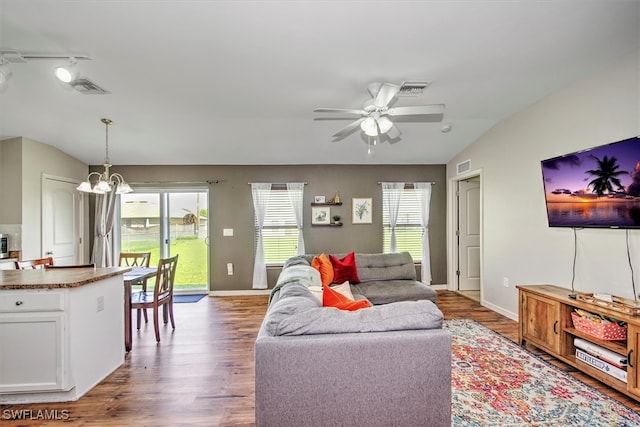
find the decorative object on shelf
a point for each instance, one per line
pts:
(598, 326)
(105, 180)
(335, 200)
(320, 215)
(361, 210)
(318, 199)
(336, 219)
(612, 302)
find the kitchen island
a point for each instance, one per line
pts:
(61, 332)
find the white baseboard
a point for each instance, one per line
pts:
(248, 292)
(500, 310)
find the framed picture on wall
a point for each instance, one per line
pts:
(321, 215)
(361, 210)
(318, 199)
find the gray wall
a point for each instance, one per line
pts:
(231, 206)
(23, 163)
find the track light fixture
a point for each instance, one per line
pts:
(66, 74)
(5, 73)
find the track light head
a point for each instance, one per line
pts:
(67, 73)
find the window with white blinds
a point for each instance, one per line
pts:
(280, 232)
(408, 226)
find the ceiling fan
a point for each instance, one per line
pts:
(375, 115)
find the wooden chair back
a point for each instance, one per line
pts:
(162, 295)
(34, 263)
(134, 259)
(165, 277)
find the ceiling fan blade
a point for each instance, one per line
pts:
(387, 92)
(349, 128)
(416, 110)
(338, 110)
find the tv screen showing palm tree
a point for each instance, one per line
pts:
(598, 187)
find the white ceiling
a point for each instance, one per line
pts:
(236, 82)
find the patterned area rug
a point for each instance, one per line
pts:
(495, 382)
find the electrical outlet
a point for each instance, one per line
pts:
(505, 282)
(100, 303)
(230, 269)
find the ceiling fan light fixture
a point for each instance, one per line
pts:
(67, 73)
(384, 124)
(369, 126)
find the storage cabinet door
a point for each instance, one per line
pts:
(633, 370)
(35, 359)
(541, 322)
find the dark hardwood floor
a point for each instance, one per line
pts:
(202, 373)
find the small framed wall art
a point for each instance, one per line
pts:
(361, 210)
(321, 215)
(318, 199)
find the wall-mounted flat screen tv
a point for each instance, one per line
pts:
(598, 187)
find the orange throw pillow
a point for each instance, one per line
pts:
(332, 298)
(323, 265)
(345, 269)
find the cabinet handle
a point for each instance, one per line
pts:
(555, 327)
(19, 302)
(629, 358)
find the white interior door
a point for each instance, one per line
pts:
(61, 221)
(469, 235)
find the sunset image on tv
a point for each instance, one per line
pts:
(599, 187)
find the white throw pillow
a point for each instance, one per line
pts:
(343, 288)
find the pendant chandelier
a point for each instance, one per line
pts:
(105, 181)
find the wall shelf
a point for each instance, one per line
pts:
(326, 204)
(333, 224)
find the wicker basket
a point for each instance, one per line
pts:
(603, 331)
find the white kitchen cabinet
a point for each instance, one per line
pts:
(60, 334)
(32, 328)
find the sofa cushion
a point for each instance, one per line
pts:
(389, 266)
(292, 299)
(344, 269)
(388, 291)
(333, 298)
(299, 273)
(324, 266)
(398, 316)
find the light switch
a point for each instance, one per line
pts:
(227, 232)
(230, 269)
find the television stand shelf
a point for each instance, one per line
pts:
(544, 313)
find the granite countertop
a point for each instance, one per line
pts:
(56, 278)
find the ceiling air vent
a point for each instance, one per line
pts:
(87, 87)
(413, 88)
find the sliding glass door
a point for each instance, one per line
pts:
(167, 222)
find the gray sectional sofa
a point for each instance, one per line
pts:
(386, 365)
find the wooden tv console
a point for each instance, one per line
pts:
(545, 321)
